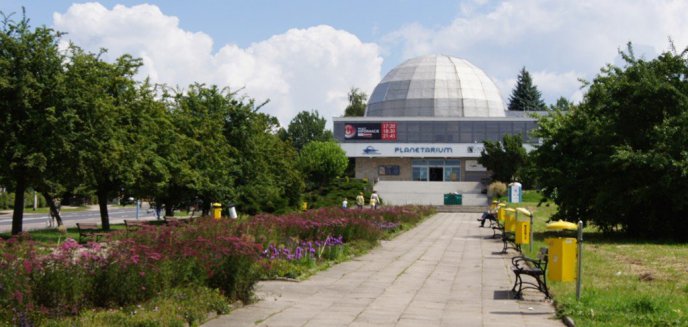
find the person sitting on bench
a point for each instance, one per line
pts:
(490, 214)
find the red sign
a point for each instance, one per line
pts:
(389, 131)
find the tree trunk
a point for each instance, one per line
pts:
(18, 215)
(169, 211)
(102, 203)
(54, 211)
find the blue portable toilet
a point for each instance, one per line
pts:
(515, 193)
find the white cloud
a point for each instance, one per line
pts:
(553, 38)
(301, 69)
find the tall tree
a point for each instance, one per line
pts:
(200, 160)
(102, 95)
(31, 74)
(618, 158)
(266, 178)
(357, 103)
(504, 159)
(526, 96)
(306, 127)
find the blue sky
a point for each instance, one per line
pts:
(305, 55)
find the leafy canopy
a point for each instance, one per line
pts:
(619, 158)
(306, 127)
(357, 103)
(504, 159)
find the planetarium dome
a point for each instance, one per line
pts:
(436, 86)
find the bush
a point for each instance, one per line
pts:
(496, 190)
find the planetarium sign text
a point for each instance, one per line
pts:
(412, 150)
(423, 149)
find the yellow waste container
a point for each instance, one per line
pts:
(563, 252)
(523, 226)
(304, 206)
(500, 212)
(217, 210)
(510, 220)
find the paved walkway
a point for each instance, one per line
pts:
(444, 272)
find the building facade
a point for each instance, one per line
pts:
(427, 121)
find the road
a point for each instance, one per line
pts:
(34, 221)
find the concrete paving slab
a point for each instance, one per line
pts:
(445, 272)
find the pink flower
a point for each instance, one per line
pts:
(28, 267)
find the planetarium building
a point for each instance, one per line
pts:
(426, 121)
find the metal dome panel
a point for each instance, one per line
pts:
(436, 86)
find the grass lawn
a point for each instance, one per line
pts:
(625, 282)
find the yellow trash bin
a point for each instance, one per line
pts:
(523, 226)
(500, 212)
(217, 211)
(510, 220)
(304, 206)
(563, 252)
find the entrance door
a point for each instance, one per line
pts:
(436, 174)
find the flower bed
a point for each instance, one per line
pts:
(128, 268)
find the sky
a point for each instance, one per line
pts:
(307, 54)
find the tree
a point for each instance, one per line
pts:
(618, 158)
(31, 74)
(504, 159)
(266, 176)
(307, 127)
(562, 104)
(357, 103)
(199, 158)
(102, 96)
(526, 96)
(321, 162)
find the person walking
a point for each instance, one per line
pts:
(345, 204)
(374, 200)
(360, 200)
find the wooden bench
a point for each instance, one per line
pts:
(133, 225)
(89, 231)
(535, 268)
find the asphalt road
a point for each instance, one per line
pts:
(39, 221)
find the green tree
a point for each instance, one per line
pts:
(619, 157)
(306, 127)
(31, 76)
(357, 103)
(504, 159)
(321, 162)
(526, 96)
(562, 104)
(198, 157)
(102, 95)
(266, 178)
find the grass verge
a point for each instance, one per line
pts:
(625, 282)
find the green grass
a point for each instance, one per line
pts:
(176, 307)
(52, 236)
(625, 282)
